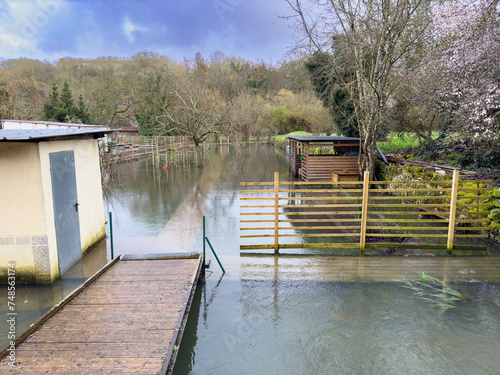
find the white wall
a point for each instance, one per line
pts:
(22, 216)
(27, 229)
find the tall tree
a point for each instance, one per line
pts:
(51, 108)
(468, 37)
(198, 112)
(377, 37)
(332, 92)
(61, 108)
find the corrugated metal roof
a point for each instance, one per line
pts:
(7, 135)
(49, 123)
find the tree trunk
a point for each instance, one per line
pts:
(198, 154)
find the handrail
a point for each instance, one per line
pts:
(205, 239)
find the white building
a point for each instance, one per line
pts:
(51, 200)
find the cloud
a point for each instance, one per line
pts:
(129, 29)
(92, 28)
(24, 23)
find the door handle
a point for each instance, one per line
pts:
(76, 206)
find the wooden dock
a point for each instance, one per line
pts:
(127, 319)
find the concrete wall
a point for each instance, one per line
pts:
(23, 237)
(27, 229)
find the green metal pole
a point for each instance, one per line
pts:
(111, 234)
(204, 238)
(216, 257)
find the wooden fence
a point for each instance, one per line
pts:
(364, 214)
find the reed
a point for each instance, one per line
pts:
(434, 291)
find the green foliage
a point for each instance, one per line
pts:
(470, 159)
(62, 108)
(285, 121)
(281, 141)
(398, 142)
(434, 291)
(4, 101)
(332, 93)
(490, 198)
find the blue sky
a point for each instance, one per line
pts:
(52, 29)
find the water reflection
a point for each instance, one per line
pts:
(34, 300)
(316, 327)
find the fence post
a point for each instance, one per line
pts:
(204, 236)
(364, 210)
(111, 234)
(276, 212)
(453, 211)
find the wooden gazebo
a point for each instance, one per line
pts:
(321, 157)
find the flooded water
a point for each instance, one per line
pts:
(32, 301)
(300, 314)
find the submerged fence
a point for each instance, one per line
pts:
(363, 214)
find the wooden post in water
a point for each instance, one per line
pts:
(364, 212)
(276, 212)
(453, 211)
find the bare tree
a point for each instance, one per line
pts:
(197, 113)
(377, 38)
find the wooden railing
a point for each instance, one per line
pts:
(360, 217)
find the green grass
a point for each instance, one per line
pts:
(282, 140)
(398, 142)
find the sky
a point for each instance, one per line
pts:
(53, 29)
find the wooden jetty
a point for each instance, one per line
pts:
(126, 319)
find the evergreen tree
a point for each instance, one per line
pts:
(82, 112)
(332, 93)
(62, 108)
(67, 104)
(51, 108)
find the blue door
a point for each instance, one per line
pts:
(66, 218)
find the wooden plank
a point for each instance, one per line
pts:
(364, 212)
(302, 246)
(322, 190)
(379, 227)
(324, 227)
(407, 221)
(256, 191)
(321, 235)
(276, 212)
(113, 326)
(407, 190)
(401, 197)
(418, 213)
(410, 205)
(453, 212)
(320, 220)
(337, 213)
(302, 235)
(320, 206)
(419, 235)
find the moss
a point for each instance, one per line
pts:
(23, 275)
(91, 241)
(491, 197)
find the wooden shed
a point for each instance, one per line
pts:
(318, 157)
(51, 202)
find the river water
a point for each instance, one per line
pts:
(296, 314)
